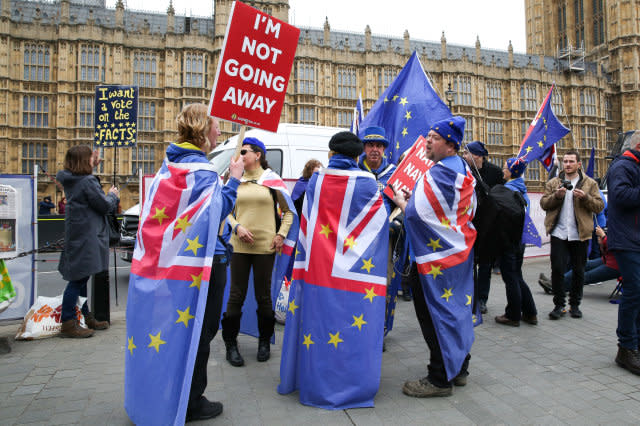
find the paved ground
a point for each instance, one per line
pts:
(559, 372)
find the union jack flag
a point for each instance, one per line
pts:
(332, 348)
(168, 287)
(438, 221)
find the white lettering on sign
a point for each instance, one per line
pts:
(262, 50)
(249, 100)
(256, 75)
(270, 28)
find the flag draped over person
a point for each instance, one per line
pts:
(408, 107)
(332, 348)
(441, 235)
(539, 142)
(168, 286)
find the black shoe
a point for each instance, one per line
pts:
(502, 319)
(406, 296)
(203, 409)
(575, 312)
(483, 307)
(557, 313)
(264, 350)
(533, 319)
(233, 355)
(628, 359)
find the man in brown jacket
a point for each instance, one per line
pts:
(570, 200)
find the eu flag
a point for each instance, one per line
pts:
(438, 221)
(406, 109)
(332, 347)
(543, 133)
(168, 286)
(591, 164)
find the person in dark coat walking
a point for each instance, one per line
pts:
(45, 206)
(86, 235)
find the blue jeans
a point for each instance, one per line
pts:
(594, 272)
(70, 298)
(629, 307)
(519, 298)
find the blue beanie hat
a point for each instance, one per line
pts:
(255, 142)
(516, 167)
(375, 134)
(451, 129)
(477, 148)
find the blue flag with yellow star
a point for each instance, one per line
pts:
(168, 286)
(406, 109)
(438, 222)
(332, 346)
(543, 133)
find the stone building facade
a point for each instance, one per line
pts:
(54, 53)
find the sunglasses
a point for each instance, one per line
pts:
(244, 151)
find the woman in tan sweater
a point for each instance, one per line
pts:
(256, 238)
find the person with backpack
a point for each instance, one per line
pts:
(570, 200)
(520, 303)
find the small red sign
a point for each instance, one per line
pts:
(254, 68)
(412, 167)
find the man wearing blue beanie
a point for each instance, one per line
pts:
(475, 154)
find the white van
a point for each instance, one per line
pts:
(288, 150)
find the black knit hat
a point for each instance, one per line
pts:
(346, 143)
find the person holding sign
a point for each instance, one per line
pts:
(258, 233)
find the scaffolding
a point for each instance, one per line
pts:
(571, 59)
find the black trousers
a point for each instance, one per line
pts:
(241, 265)
(562, 253)
(210, 325)
(437, 373)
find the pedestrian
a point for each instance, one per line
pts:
(438, 221)
(62, 205)
(520, 303)
(624, 242)
(570, 200)
(374, 160)
(487, 176)
(297, 195)
(258, 234)
(86, 236)
(45, 206)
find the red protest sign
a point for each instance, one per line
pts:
(254, 68)
(412, 167)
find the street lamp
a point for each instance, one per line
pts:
(449, 95)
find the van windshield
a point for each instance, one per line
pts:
(221, 159)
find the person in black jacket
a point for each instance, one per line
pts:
(476, 155)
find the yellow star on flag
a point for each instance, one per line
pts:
(529, 149)
(386, 100)
(395, 97)
(184, 316)
(434, 244)
(160, 215)
(404, 132)
(475, 319)
(130, 346)
(307, 341)
(435, 271)
(397, 145)
(183, 224)
(335, 339)
(358, 321)
(326, 230)
(540, 144)
(447, 294)
(408, 115)
(293, 307)
(445, 222)
(367, 264)
(468, 300)
(544, 137)
(197, 280)
(403, 101)
(370, 294)
(156, 341)
(194, 245)
(297, 252)
(350, 242)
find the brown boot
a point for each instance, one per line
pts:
(94, 324)
(71, 328)
(629, 359)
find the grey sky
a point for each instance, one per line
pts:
(495, 22)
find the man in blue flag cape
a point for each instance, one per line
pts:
(438, 220)
(332, 348)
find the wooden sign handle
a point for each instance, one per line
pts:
(239, 145)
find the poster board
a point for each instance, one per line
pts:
(116, 116)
